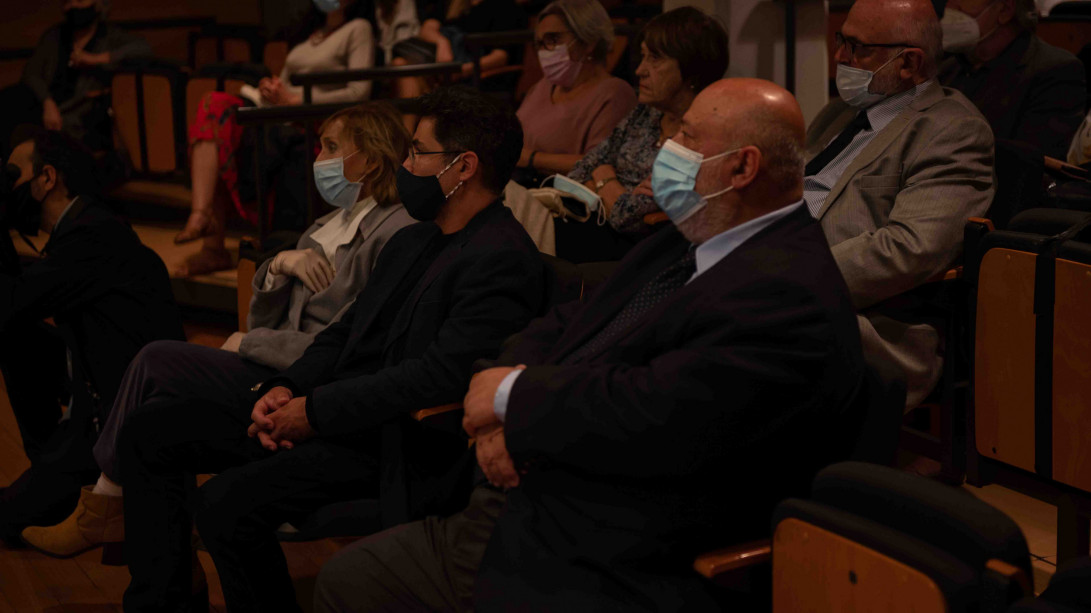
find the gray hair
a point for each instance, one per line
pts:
(588, 21)
(781, 150)
(926, 34)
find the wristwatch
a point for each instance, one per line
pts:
(602, 183)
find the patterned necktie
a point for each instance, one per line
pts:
(664, 284)
(838, 145)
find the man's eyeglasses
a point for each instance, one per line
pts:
(413, 153)
(550, 40)
(853, 45)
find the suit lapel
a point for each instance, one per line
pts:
(378, 295)
(882, 140)
(449, 254)
(621, 288)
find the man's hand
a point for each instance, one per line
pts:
(51, 115)
(233, 342)
(267, 404)
(290, 425)
(493, 457)
(478, 403)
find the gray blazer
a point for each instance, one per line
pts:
(895, 218)
(284, 320)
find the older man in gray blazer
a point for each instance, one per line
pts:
(896, 166)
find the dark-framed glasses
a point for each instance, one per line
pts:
(854, 45)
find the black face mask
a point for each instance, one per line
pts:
(24, 213)
(422, 196)
(80, 18)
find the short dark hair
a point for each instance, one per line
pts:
(72, 160)
(698, 42)
(467, 120)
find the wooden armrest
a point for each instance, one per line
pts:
(721, 561)
(653, 218)
(1012, 573)
(1074, 172)
(988, 223)
(446, 408)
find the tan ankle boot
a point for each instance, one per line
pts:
(97, 520)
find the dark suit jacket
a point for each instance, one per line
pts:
(108, 294)
(1032, 92)
(485, 285)
(681, 436)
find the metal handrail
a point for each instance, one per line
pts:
(335, 77)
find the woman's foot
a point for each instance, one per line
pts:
(98, 520)
(199, 225)
(203, 262)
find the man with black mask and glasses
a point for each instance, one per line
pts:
(444, 293)
(107, 295)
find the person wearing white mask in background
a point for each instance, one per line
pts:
(296, 295)
(577, 103)
(895, 166)
(1027, 89)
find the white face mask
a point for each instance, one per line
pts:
(961, 32)
(853, 83)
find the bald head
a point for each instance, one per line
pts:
(759, 113)
(913, 22)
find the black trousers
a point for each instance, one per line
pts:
(173, 436)
(32, 360)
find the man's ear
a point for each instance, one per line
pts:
(50, 175)
(1007, 12)
(912, 63)
(747, 169)
(467, 166)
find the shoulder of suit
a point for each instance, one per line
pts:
(1042, 56)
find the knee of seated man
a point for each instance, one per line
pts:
(345, 583)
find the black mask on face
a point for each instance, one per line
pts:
(80, 18)
(25, 213)
(422, 196)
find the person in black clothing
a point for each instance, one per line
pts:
(108, 295)
(65, 84)
(1027, 89)
(443, 293)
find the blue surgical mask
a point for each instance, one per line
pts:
(853, 83)
(329, 178)
(327, 6)
(674, 176)
(578, 190)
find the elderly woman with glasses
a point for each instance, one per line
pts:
(577, 103)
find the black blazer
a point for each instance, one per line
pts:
(1032, 92)
(681, 436)
(486, 284)
(108, 294)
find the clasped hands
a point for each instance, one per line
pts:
(479, 421)
(280, 420)
(276, 93)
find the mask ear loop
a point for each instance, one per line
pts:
(447, 196)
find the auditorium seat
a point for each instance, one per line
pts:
(872, 538)
(1030, 367)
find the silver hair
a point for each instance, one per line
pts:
(925, 34)
(1026, 14)
(588, 21)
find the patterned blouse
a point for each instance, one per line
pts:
(631, 150)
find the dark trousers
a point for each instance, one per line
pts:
(32, 360)
(426, 565)
(171, 437)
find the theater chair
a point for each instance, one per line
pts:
(147, 100)
(872, 538)
(1031, 403)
